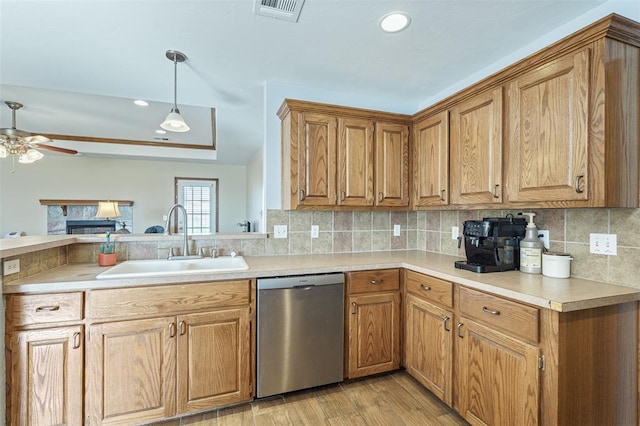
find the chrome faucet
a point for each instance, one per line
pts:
(185, 247)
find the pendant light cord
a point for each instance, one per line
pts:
(175, 82)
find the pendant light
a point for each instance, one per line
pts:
(174, 121)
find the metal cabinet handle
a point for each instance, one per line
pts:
(425, 287)
(490, 311)
(578, 178)
(51, 308)
(183, 327)
(442, 195)
(172, 329)
(343, 195)
(459, 327)
(374, 282)
(380, 196)
(495, 191)
(76, 340)
(445, 321)
(353, 307)
(301, 196)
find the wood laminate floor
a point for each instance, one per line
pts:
(391, 399)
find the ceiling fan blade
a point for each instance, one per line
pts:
(57, 149)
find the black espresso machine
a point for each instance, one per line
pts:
(492, 244)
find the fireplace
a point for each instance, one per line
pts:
(90, 226)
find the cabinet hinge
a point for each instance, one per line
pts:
(541, 363)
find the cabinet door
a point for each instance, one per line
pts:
(132, 371)
(374, 334)
(46, 376)
(213, 359)
(355, 162)
(317, 160)
(549, 131)
(392, 165)
(476, 150)
(497, 376)
(428, 346)
(431, 161)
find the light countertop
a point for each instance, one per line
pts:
(554, 293)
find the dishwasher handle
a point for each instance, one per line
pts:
(303, 287)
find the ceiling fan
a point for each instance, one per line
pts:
(23, 144)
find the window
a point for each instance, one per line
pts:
(199, 196)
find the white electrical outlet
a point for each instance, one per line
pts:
(396, 230)
(279, 231)
(11, 267)
(543, 235)
(164, 217)
(315, 230)
(603, 244)
(455, 232)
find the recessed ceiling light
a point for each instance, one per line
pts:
(140, 102)
(161, 132)
(394, 22)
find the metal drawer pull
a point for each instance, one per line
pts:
(442, 195)
(380, 196)
(51, 308)
(424, 287)
(343, 195)
(76, 340)
(459, 327)
(353, 307)
(172, 329)
(301, 195)
(445, 321)
(183, 327)
(489, 311)
(578, 178)
(377, 281)
(495, 191)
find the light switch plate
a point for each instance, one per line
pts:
(315, 230)
(606, 244)
(279, 231)
(396, 230)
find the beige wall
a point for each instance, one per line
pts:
(148, 183)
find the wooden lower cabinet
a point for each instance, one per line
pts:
(148, 369)
(497, 377)
(429, 346)
(373, 322)
(46, 376)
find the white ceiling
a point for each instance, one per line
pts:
(117, 48)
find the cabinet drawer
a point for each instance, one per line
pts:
(511, 317)
(44, 308)
(170, 299)
(430, 288)
(374, 281)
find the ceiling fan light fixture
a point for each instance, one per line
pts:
(3, 151)
(174, 121)
(30, 156)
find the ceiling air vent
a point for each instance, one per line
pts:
(287, 10)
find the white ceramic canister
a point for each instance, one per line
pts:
(556, 265)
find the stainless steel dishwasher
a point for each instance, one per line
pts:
(300, 334)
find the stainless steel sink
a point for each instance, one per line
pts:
(158, 268)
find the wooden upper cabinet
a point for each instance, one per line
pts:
(316, 160)
(355, 162)
(431, 161)
(549, 131)
(392, 165)
(476, 149)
